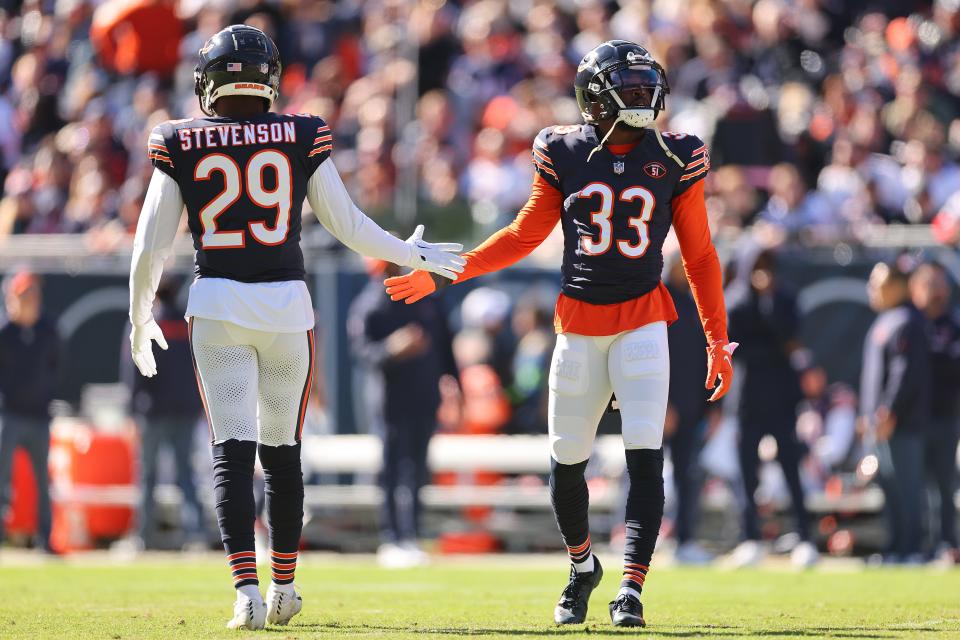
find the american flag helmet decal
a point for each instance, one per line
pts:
(234, 66)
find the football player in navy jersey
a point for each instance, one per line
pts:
(616, 185)
(243, 174)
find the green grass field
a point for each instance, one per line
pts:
(502, 597)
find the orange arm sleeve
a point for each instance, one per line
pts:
(700, 261)
(518, 239)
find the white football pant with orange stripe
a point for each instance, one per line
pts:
(586, 370)
(254, 384)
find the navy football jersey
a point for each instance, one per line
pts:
(616, 208)
(243, 183)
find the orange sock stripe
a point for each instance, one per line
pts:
(285, 566)
(638, 579)
(284, 556)
(580, 548)
(243, 565)
(245, 576)
(637, 566)
(242, 554)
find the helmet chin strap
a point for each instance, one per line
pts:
(612, 127)
(656, 134)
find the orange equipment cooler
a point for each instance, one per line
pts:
(92, 479)
(21, 518)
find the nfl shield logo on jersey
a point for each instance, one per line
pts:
(619, 167)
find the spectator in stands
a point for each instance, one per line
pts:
(895, 403)
(533, 326)
(790, 80)
(406, 350)
(484, 313)
(930, 293)
(826, 424)
(29, 361)
(765, 321)
(686, 412)
(791, 207)
(166, 408)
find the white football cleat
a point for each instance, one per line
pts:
(248, 613)
(804, 555)
(283, 602)
(691, 553)
(749, 553)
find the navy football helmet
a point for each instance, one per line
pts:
(620, 80)
(237, 61)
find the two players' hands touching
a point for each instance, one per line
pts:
(442, 258)
(410, 287)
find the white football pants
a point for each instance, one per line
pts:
(254, 384)
(635, 365)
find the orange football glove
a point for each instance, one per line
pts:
(720, 363)
(411, 287)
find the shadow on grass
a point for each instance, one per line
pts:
(589, 630)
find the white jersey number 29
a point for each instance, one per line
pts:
(601, 219)
(280, 198)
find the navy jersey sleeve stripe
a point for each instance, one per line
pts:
(698, 163)
(320, 143)
(542, 160)
(694, 152)
(157, 151)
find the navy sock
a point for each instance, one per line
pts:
(284, 504)
(571, 500)
(644, 515)
(233, 494)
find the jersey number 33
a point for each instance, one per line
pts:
(601, 218)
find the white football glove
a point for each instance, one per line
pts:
(441, 258)
(141, 346)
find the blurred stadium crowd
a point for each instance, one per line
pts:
(823, 117)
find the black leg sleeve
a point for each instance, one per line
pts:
(644, 513)
(284, 503)
(571, 501)
(233, 494)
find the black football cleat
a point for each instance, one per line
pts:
(572, 608)
(626, 611)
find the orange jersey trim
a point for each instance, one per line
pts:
(576, 316)
(621, 149)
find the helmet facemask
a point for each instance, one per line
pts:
(632, 93)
